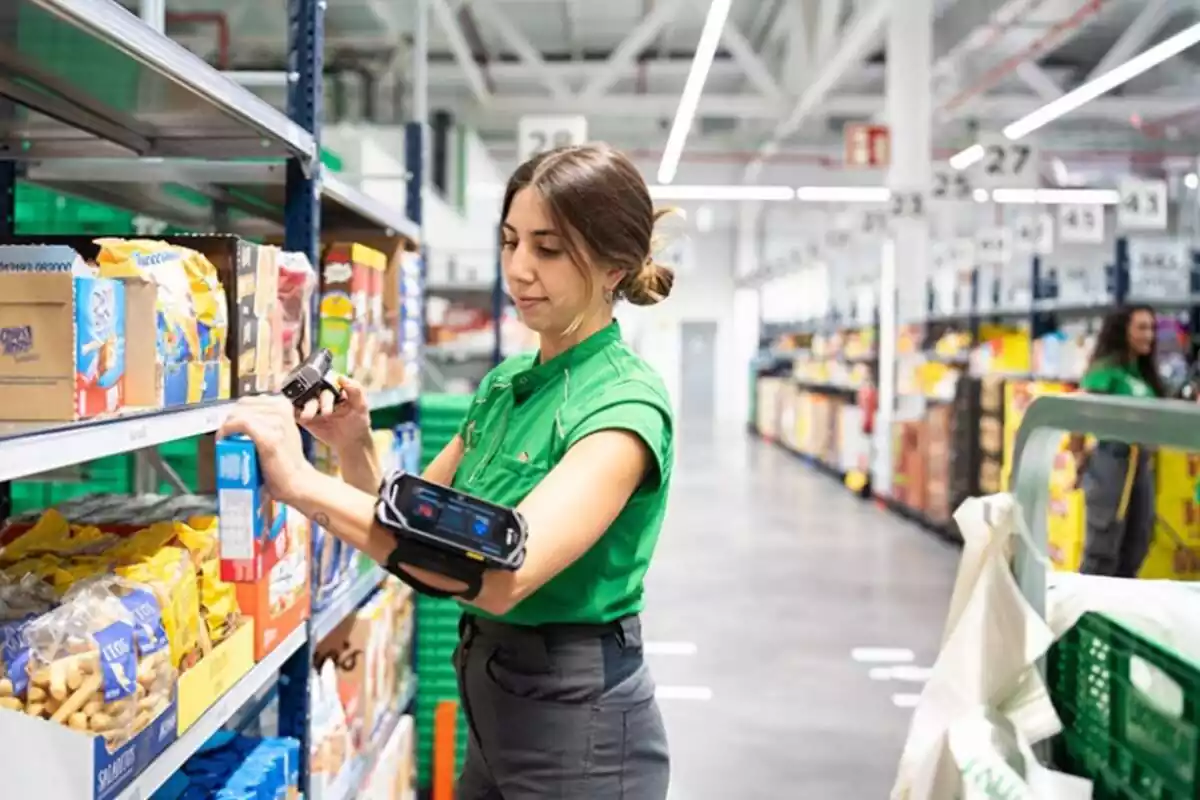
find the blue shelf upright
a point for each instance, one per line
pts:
(302, 226)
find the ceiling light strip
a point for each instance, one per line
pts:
(706, 49)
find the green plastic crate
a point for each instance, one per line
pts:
(1130, 746)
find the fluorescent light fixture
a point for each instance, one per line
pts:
(1105, 83)
(980, 195)
(1191, 180)
(716, 192)
(843, 194)
(965, 158)
(1098, 197)
(705, 50)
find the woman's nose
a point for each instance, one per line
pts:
(520, 266)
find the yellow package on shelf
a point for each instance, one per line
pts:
(1065, 531)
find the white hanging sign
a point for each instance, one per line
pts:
(539, 133)
(993, 246)
(945, 283)
(907, 204)
(1006, 163)
(1143, 205)
(962, 254)
(950, 184)
(1034, 233)
(1159, 269)
(1080, 224)
(1016, 285)
(873, 222)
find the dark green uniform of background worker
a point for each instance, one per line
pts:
(1118, 479)
(579, 438)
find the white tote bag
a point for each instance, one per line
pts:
(985, 704)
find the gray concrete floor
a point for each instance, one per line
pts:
(776, 573)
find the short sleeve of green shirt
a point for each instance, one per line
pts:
(1098, 380)
(631, 405)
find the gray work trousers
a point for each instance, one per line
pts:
(1120, 510)
(559, 712)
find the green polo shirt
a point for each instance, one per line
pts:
(524, 418)
(1115, 378)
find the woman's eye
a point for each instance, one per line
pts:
(546, 252)
(509, 244)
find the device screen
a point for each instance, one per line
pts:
(448, 514)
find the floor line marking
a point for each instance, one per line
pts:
(684, 693)
(882, 655)
(905, 673)
(670, 648)
(906, 700)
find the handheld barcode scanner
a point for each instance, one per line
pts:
(447, 531)
(314, 376)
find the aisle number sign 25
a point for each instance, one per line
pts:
(537, 134)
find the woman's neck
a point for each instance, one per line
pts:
(552, 345)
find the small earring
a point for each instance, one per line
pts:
(608, 295)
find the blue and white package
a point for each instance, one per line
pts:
(148, 632)
(118, 660)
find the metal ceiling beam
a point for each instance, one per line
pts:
(1036, 79)
(861, 35)
(462, 51)
(524, 49)
(631, 47)
(800, 21)
(571, 23)
(829, 17)
(756, 70)
(656, 106)
(1133, 39)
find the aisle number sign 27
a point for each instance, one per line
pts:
(537, 134)
(1007, 164)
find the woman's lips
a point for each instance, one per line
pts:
(528, 302)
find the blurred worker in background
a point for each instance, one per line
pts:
(1117, 478)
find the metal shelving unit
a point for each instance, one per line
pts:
(101, 106)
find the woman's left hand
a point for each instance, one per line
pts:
(271, 423)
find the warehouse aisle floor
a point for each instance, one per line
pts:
(767, 577)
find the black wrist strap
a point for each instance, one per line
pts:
(418, 554)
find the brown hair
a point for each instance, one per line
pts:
(599, 201)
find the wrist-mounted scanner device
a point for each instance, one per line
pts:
(315, 375)
(448, 532)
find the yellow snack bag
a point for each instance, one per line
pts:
(218, 602)
(170, 574)
(53, 534)
(199, 536)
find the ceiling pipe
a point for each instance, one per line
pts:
(466, 19)
(1043, 44)
(214, 18)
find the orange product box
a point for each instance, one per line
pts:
(279, 601)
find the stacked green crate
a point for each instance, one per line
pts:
(437, 619)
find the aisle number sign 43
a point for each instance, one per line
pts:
(539, 133)
(1142, 205)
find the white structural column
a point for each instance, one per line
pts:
(902, 265)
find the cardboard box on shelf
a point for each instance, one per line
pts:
(351, 292)
(281, 600)
(62, 336)
(250, 275)
(253, 536)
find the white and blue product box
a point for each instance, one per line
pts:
(408, 447)
(50, 761)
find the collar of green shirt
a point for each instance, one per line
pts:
(528, 381)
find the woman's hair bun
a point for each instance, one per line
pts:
(651, 284)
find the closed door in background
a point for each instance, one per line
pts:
(698, 371)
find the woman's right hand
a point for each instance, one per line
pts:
(341, 426)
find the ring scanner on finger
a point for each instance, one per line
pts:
(316, 375)
(448, 532)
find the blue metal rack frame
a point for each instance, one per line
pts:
(253, 129)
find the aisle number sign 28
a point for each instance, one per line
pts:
(537, 134)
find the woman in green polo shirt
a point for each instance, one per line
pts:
(579, 437)
(1118, 479)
